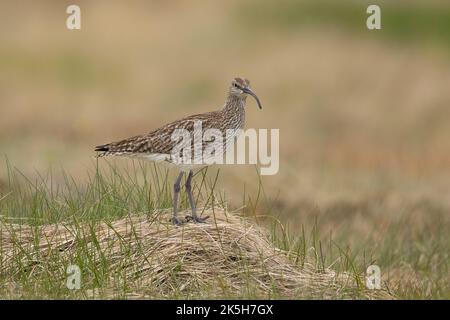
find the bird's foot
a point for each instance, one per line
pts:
(176, 221)
(196, 219)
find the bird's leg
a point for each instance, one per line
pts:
(176, 192)
(195, 218)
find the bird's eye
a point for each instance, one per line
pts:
(235, 85)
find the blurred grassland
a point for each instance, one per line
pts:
(363, 115)
(406, 21)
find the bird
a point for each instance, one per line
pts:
(158, 145)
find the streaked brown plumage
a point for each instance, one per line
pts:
(157, 145)
(159, 140)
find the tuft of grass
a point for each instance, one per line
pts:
(116, 229)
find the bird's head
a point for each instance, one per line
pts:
(241, 87)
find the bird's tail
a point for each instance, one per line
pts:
(103, 150)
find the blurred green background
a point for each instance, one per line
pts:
(363, 115)
(360, 112)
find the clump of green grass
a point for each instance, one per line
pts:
(116, 229)
(406, 239)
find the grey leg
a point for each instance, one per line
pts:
(176, 192)
(195, 218)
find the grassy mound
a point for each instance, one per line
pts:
(143, 256)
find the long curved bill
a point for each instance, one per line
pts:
(250, 92)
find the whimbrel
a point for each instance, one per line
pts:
(158, 144)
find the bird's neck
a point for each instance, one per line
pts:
(235, 104)
(235, 109)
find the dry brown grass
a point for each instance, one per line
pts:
(228, 256)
